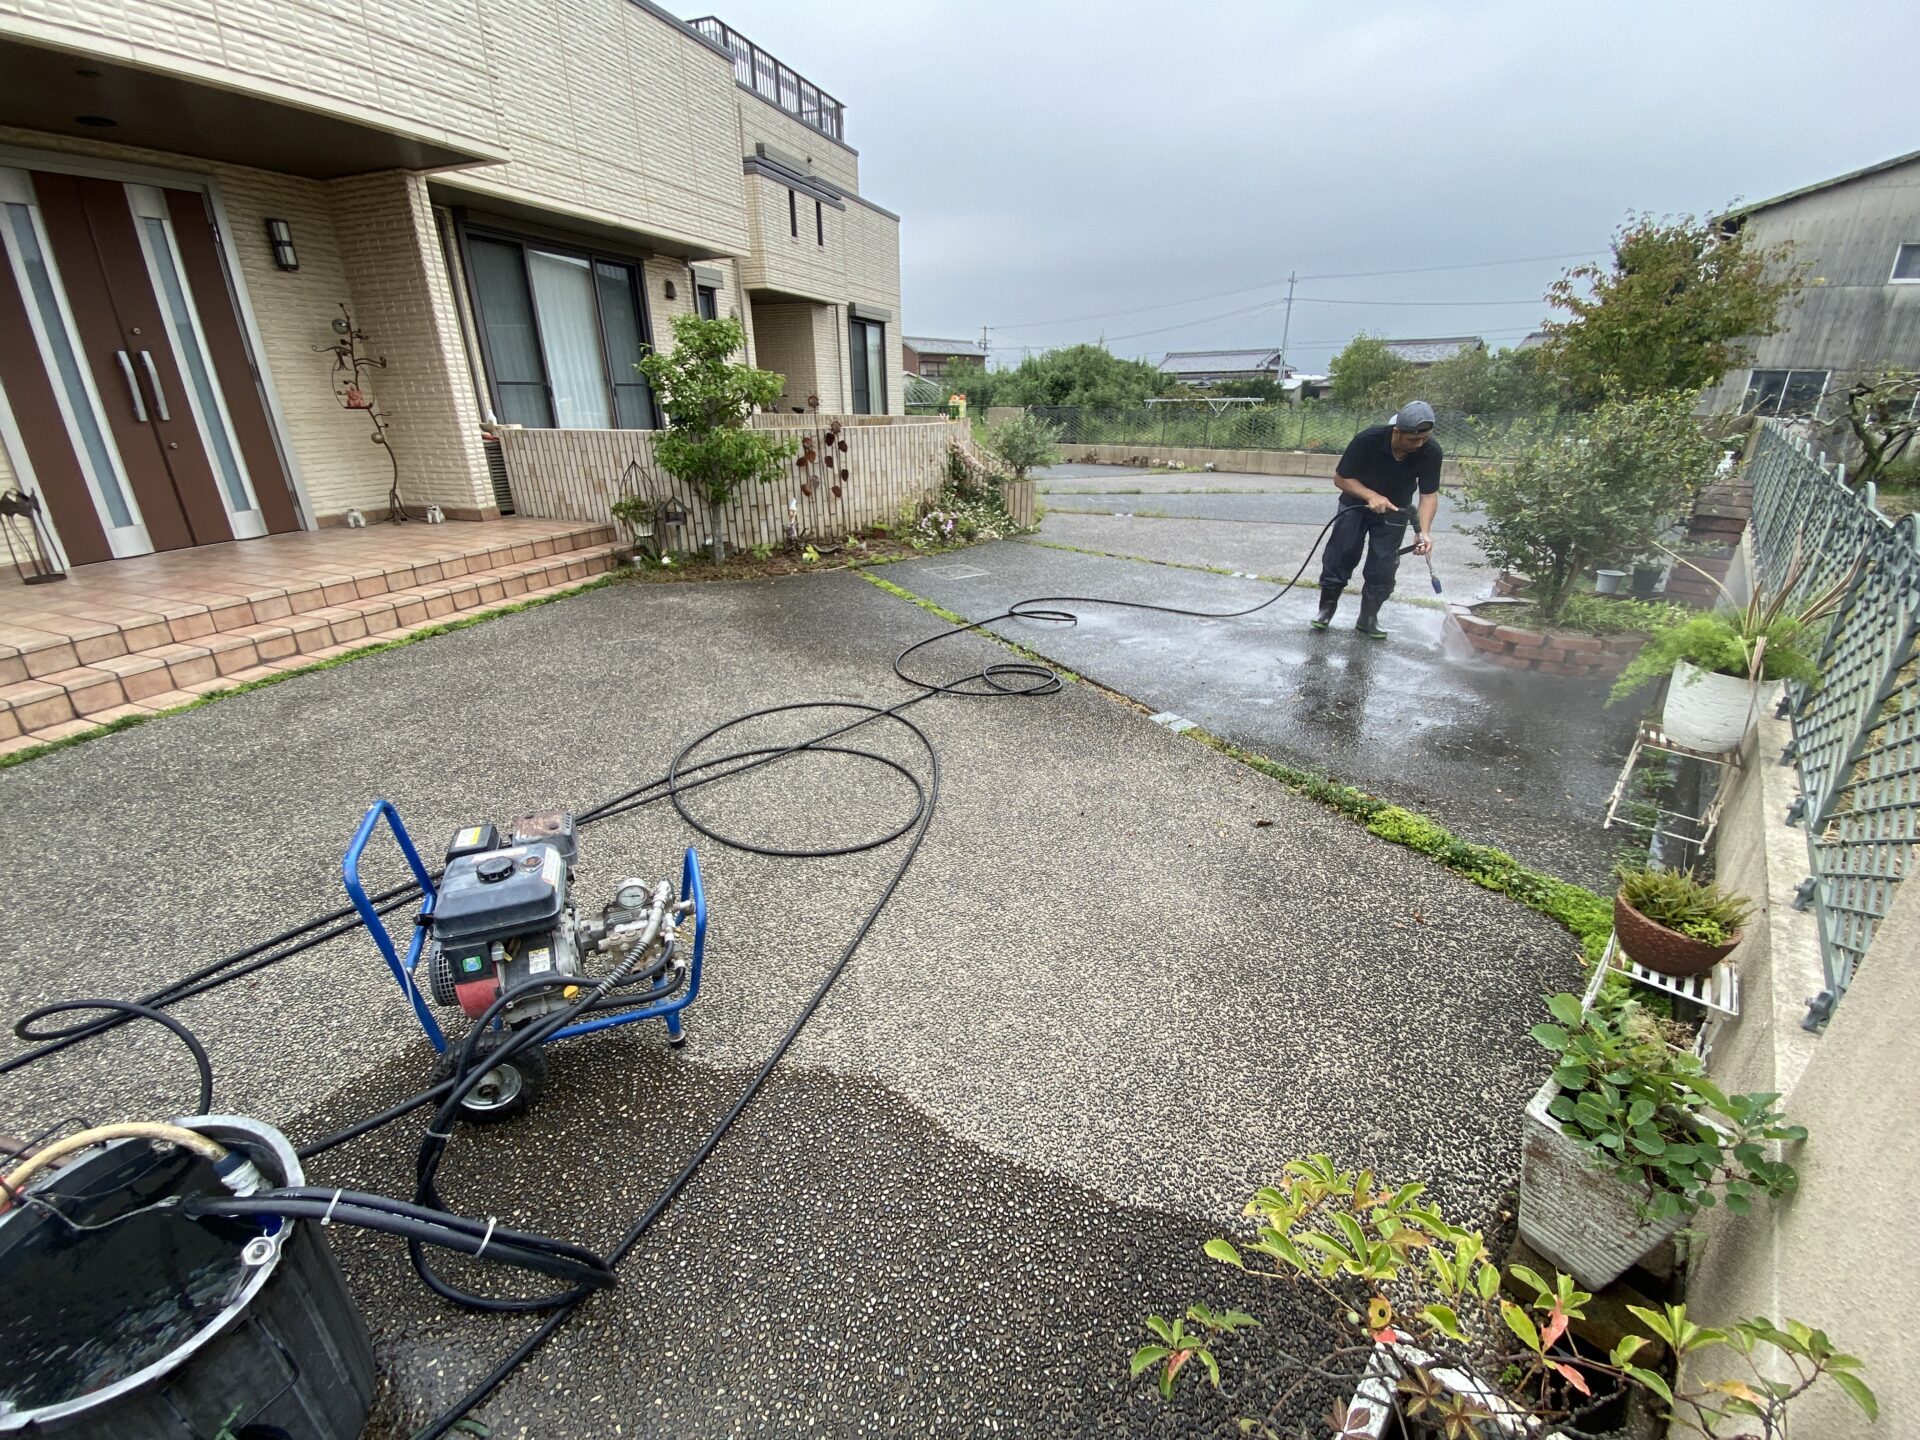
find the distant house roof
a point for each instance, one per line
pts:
(1533, 341)
(1219, 362)
(1742, 212)
(1427, 352)
(929, 345)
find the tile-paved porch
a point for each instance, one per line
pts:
(145, 634)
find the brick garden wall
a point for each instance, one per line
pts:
(1552, 652)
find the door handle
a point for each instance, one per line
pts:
(153, 378)
(133, 386)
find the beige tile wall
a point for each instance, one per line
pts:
(601, 109)
(760, 120)
(404, 300)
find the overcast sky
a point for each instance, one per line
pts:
(1053, 161)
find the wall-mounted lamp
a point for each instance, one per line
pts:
(670, 290)
(280, 236)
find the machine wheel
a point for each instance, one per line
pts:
(507, 1090)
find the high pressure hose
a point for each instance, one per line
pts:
(426, 1221)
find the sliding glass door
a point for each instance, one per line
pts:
(562, 333)
(867, 359)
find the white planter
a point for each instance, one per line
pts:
(1581, 1219)
(1709, 712)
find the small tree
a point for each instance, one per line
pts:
(1368, 375)
(1021, 442)
(1599, 494)
(1673, 310)
(1883, 413)
(708, 398)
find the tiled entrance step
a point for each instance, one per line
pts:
(57, 686)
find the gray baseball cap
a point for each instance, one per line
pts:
(1413, 415)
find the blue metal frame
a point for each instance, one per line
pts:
(668, 1009)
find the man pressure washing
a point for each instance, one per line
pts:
(1383, 468)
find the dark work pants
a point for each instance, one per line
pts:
(1380, 536)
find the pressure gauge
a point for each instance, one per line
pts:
(633, 895)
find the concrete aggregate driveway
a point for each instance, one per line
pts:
(1104, 1005)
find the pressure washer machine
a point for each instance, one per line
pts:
(503, 942)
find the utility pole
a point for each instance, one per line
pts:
(1286, 327)
(983, 347)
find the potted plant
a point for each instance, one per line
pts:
(1672, 922)
(1720, 661)
(1628, 1138)
(637, 513)
(1426, 1333)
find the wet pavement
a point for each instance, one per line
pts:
(1521, 761)
(1275, 551)
(1125, 981)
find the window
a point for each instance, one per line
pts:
(819, 223)
(562, 333)
(1784, 392)
(793, 213)
(868, 364)
(1906, 264)
(706, 302)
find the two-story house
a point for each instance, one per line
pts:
(1859, 237)
(511, 201)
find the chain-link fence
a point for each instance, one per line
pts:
(1856, 737)
(1313, 427)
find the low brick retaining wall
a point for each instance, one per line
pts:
(1554, 652)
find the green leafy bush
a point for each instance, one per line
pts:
(1598, 615)
(1021, 442)
(1683, 903)
(1600, 494)
(1647, 1114)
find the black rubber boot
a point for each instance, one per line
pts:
(1329, 602)
(1369, 622)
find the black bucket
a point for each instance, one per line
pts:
(157, 1327)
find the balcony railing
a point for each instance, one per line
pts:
(772, 81)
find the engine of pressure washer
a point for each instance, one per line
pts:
(505, 915)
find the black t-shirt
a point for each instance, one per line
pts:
(1369, 459)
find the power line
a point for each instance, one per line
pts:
(1276, 284)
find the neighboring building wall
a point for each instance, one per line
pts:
(1851, 316)
(294, 310)
(404, 301)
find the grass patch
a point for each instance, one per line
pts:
(1588, 916)
(127, 722)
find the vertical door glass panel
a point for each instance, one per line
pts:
(876, 368)
(513, 340)
(706, 301)
(619, 291)
(100, 459)
(186, 334)
(867, 362)
(857, 366)
(570, 340)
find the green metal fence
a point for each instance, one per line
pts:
(1856, 736)
(1316, 427)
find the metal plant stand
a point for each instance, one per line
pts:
(1684, 827)
(1716, 992)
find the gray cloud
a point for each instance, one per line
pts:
(1057, 159)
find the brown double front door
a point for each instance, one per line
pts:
(127, 373)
